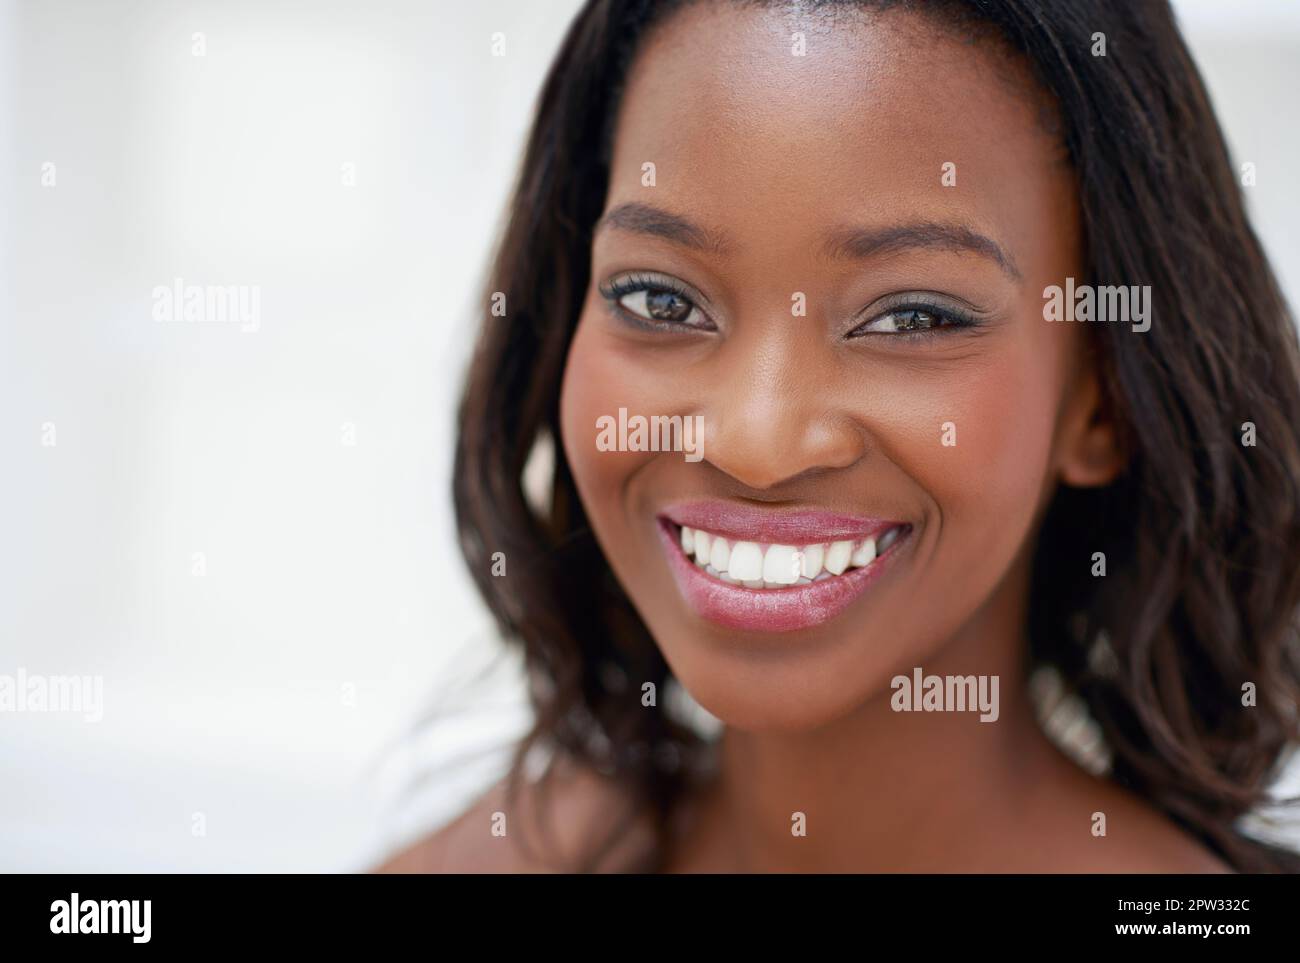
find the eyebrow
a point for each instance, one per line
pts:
(655, 221)
(854, 243)
(858, 243)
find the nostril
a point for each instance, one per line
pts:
(766, 453)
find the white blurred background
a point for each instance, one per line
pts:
(302, 468)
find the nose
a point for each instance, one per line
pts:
(768, 423)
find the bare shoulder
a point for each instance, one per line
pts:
(1098, 826)
(1141, 839)
(458, 846)
(582, 807)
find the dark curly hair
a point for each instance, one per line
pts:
(1201, 533)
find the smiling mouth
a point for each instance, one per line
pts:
(764, 565)
(767, 586)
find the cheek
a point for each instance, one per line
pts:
(986, 454)
(598, 380)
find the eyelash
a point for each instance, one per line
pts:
(949, 318)
(614, 291)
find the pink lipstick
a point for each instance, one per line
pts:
(774, 570)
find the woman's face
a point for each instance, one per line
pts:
(835, 268)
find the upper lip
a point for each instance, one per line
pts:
(787, 526)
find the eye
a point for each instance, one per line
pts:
(658, 305)
(655, 301)
(914, 319)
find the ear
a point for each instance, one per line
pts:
(1090, 453)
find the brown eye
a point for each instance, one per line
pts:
(651, 301)
(658, 305)
(666, 306)
(915, 319)
(907, 319)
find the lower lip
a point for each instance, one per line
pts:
(768, 610)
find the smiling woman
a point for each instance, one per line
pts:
(838, 271)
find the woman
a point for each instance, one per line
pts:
(955, 358)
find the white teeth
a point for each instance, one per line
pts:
(720, 555)
(701, 548)
(837, 557)
(780, 567)
(810, 561)
(864, 554)
(758, 566)
(746, 561)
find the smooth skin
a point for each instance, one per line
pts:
(771, 157)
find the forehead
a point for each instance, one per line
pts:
(750, 136)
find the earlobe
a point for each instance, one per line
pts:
(1092, 453)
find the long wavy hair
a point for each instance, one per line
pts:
(1201, 533)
